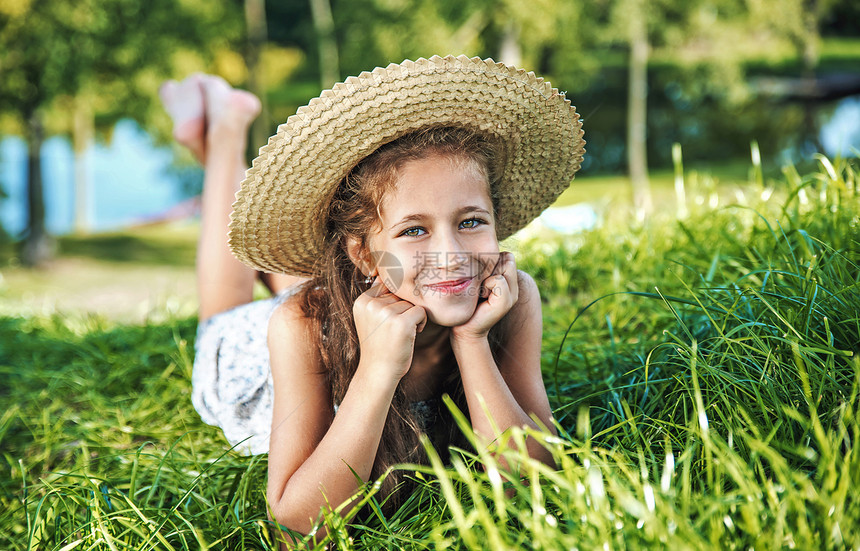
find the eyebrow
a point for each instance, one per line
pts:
(421, 216)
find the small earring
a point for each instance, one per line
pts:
(367, 280)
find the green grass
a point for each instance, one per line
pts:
(703, 370)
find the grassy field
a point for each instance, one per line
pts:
(703, 370)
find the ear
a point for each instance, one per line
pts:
(360, 256)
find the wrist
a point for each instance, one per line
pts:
(461, 335)
(464, 342)
(375, 378)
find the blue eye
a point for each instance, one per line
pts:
(471, 223)
(413, 232)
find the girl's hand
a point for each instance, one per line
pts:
(499, 292)
(386, 326)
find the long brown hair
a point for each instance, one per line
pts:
(328, 299)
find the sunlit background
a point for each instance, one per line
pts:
(79, 81)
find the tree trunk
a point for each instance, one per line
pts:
(82, 139)
(637, 105)
(510, 51)
(326, 43)
(811, 38)
(37, 247)
(808, 49)
(255, 21)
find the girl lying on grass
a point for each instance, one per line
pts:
(374, 215)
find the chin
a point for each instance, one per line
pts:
(450, 317)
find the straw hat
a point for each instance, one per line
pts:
(278, 220)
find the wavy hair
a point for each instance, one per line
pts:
(327, 300)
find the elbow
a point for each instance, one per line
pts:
(540, 451)
(545, 456)
(291, 523)
(275, 505)
(291, 532)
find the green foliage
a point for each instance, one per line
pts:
(549, 34)
(113, 54)
(704, 372)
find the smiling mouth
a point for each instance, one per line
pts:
(450, 287)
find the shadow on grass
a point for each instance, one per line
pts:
(157, 245)
(130, 248)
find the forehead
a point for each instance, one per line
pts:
(436, 181)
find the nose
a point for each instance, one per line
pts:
(451, 254)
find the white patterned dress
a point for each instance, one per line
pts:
(232, 378)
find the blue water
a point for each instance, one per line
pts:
(128, 177)
(841, 134)
(130, 181)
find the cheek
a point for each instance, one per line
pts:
(396, 267)
(491, 243)
(487, 246)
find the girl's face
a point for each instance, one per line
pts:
(437, 240)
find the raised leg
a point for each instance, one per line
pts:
(212, 120)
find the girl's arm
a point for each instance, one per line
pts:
(512, 391)
(312, 452)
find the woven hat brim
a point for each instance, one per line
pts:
(278, 221)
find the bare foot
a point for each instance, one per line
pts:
(229, 112)
(205, 107)
(183, 101)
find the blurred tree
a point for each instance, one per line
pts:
(637, 25)
(712, 40)
(637, 104)
(799, 21)
(541, 35)
(326, 42)
(257, 29)
(4, 235)
(101, 60)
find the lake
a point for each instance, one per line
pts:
(130, 181)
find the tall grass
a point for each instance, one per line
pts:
(703, 371)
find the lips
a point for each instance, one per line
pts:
(452, 286)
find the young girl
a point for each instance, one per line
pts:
(374, 215)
